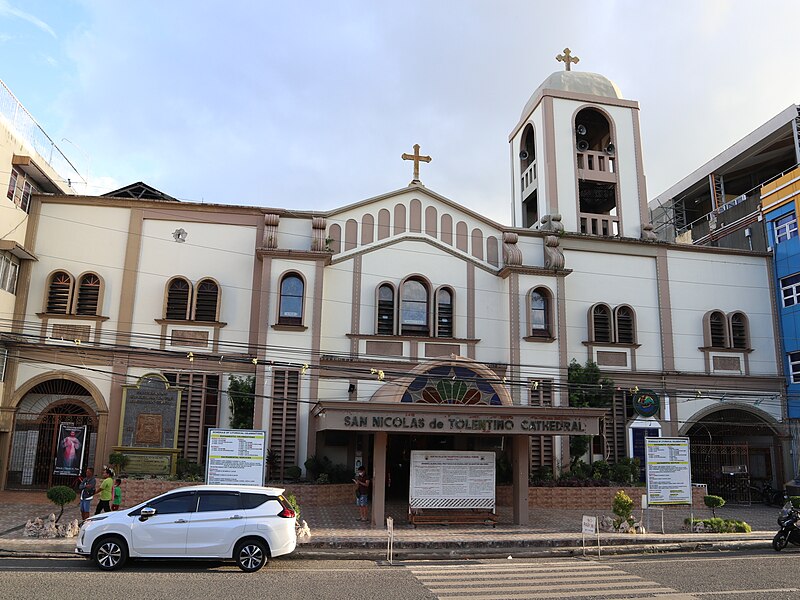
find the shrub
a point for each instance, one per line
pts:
(622, 507)
(315, 467)
(118, 461)
(601, 470)
(188, 470)
(625, 471)
(322, 479)
(61, 495)
(718, 525)
(714, 502)
(292, 500)
(293, 472)
(795, 500)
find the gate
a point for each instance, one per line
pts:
(35, 443)
(724, 469)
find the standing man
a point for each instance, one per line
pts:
(106, 491)
(362, 491)
(86, 487)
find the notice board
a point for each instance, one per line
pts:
(447, 479)
(236, 456)
(669, 471)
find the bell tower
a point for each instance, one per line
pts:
(576, 152)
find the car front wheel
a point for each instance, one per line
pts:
(110, 553)
(250, 555)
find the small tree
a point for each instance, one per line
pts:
(622, 507)
(118, 462)
(61, 495)
(587, 388)
(714, 502)
(241, 398)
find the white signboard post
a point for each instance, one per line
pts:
(589, 525)
(236, 456)
(452, 480)
(669, 471)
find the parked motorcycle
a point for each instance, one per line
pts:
(789, 531)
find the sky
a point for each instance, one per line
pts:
(309, 105)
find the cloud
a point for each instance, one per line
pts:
(7, 10)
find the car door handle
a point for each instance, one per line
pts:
(181, 521)
(237, 517)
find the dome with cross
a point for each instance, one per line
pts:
(579, 82)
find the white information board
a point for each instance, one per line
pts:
(452, 480)
(236, 456)
(669, 471)
(589, 525)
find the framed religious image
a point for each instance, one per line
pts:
(70, 449)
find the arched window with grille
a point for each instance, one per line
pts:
(625, 321)
(444, 313)
(59, 293)
(600, 324)
(539, 301)
(414, 319)
(717, 330)
(740, 331)
(88, 301)
(385, 324)
(179, 294)
(290, 311)
(206, 302)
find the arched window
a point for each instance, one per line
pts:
(385, 325)
(414, 308)
(601, 324)
(717, 330)
(88, 295)
(444, 313)
(625, 325)
(291, 303)
(206, 301)
(59, 293)
(740, 336)
(540, 313)
(179, 293)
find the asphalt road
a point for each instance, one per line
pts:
(762, 575)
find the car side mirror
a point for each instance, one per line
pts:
(146, 513)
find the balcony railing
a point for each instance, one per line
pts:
(597, 166)
(528, 179)
(605, 225)
(28, 129)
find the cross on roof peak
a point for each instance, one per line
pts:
(417, 158)
(567, 59)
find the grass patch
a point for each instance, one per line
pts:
(717, 525)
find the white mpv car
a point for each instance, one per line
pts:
(249, 525)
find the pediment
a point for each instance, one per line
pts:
(415, 212)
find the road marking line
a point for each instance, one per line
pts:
(569, 594)
(522, 578)
(507, 568)
(726, 592)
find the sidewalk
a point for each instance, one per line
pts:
(335, 533)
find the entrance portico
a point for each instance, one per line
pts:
(516, 422)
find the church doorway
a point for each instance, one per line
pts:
(733, 451)
(398, 457)
(43, 414)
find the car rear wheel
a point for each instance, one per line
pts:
(110, 553)
(250, 555)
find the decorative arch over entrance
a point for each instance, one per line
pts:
(455, 381)
(53, 376)
(44, 406)
(734, 446)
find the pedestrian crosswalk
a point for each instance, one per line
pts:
(533, 580)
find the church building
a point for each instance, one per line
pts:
(405, 321)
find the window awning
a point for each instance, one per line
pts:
(17, 250)
(29, 166)
(440, 419)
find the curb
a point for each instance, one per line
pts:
(562, 548)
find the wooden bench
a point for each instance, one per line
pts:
(453, 516)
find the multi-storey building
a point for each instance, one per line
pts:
(406, 321)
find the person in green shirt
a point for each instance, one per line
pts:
(117, 494)
(106, 491)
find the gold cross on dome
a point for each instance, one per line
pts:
(567, 58)
(417, 159)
